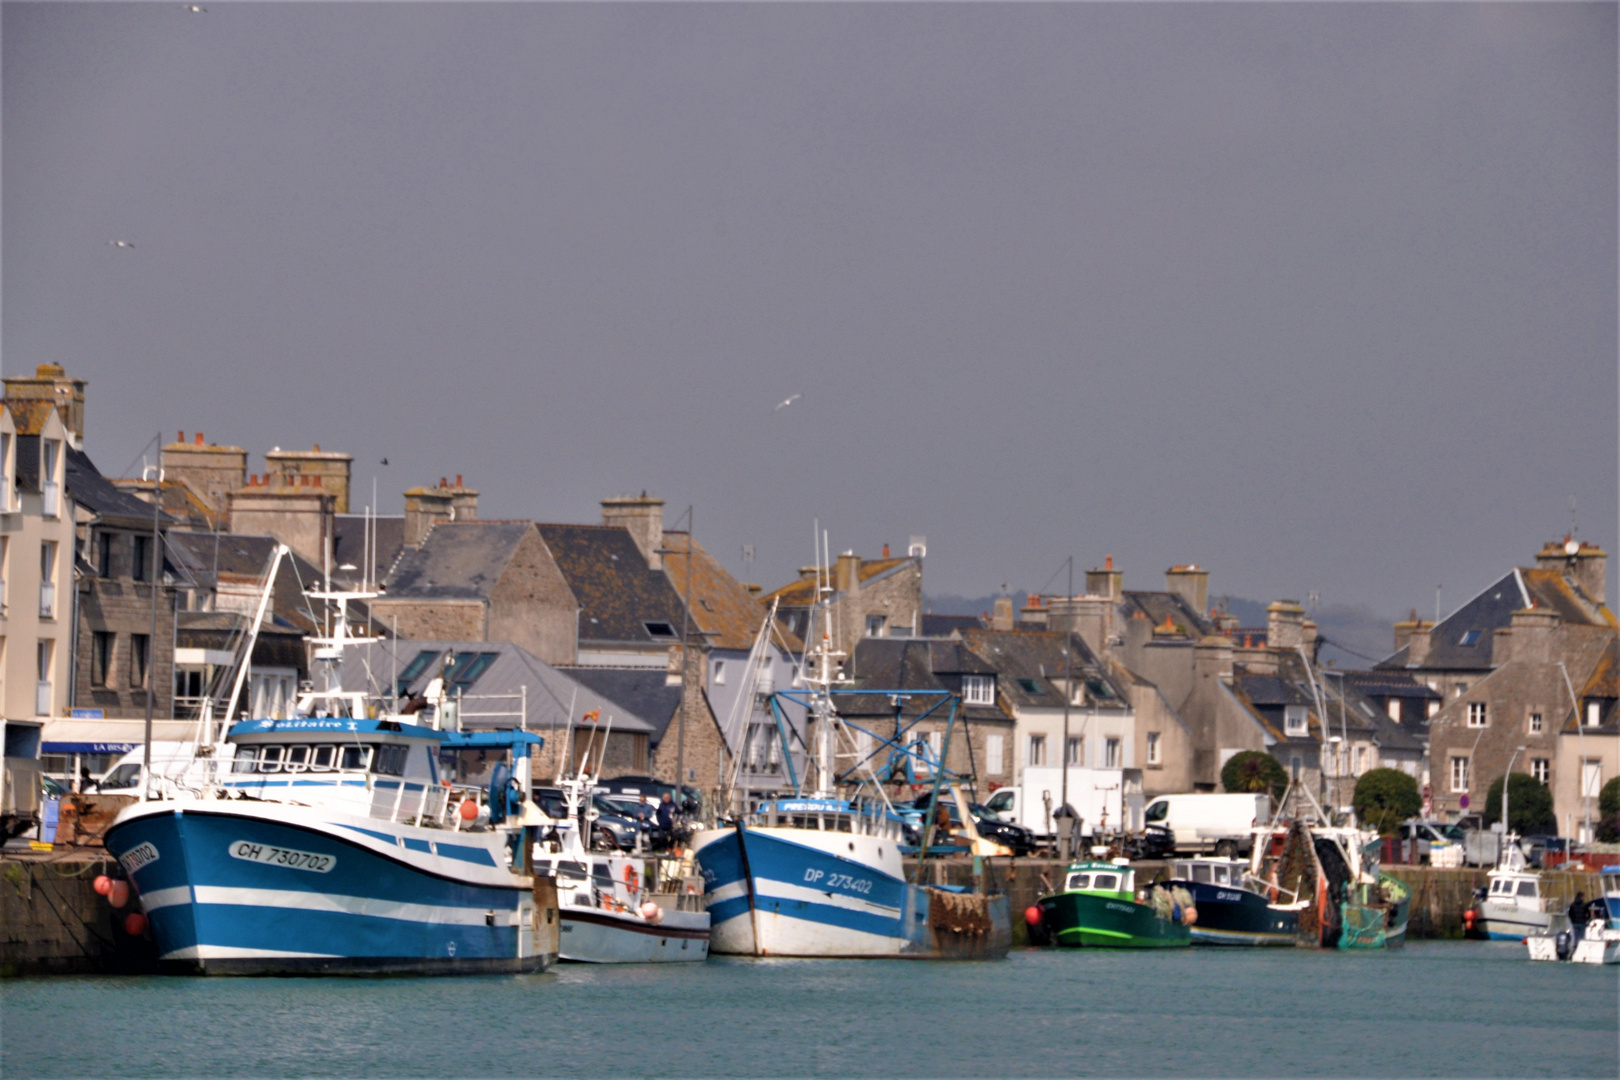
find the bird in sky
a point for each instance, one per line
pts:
(121, 243)
(194, 9)
(786, 403)
(385, 461)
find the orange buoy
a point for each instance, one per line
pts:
(1189, 916)
(118, 894)
(469, 810)
(103, 885)
(1032, 915)
(134, 924)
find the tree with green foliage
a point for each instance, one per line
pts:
(1608, 828)
(1530, 806)
(1386, 797)
(1251, 770)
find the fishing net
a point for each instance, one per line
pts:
(960, 913)
(1361, 927)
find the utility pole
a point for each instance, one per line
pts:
(1068, 698)
(151, 638)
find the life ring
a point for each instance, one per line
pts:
(630, 879)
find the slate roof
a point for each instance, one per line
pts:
(460, 560)
(1347, 705)
(912, 664)
(728, 614)
(278, 645)
(943, 626)
(550, 690)
(617, 593)
(1160, 606)
(207, 558)
(349, 542)
(1477, 620)
(96, 493)
(1386, 682)
(642, 692)
(1026, 662)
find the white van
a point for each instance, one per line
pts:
(1106, 800)
(1210, 823)
(175, 764)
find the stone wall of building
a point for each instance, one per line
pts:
(533, 606)
(431, 620)
(122, 608)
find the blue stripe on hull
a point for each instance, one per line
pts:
(193, 853)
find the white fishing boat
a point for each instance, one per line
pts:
(1596, 943)
(332, 845)
(1513, 904)
(616, 908)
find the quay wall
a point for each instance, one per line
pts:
(52, 921)
(1438, 896)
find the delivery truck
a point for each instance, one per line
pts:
(1105, 800)
(1200, 823)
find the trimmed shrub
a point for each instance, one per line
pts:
(1386, 797)
(1252, 771)
(1530, 806)
(1608, 829)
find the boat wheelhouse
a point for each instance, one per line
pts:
(1230, 910)
(1098, 906)
(1514, 903)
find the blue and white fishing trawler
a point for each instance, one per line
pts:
(822, 876)
(332, 845)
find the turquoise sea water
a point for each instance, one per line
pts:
(1432, 1009)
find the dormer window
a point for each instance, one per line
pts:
(979, 689)
(1294, 720)
(660, 629)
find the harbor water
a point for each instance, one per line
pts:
(1431, 1009)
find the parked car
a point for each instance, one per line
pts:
(690, 800)
(646, 813)
(1019, 840)
(614, 829)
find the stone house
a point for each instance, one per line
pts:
(1509, 699)
(1588, 754)
(42, 419)
(869, 598)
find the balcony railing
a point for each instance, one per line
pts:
(53, 498)
(47, 599)
(42, 698)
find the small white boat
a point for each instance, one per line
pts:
(1600, 944)
(1514, 905)
(619, 909)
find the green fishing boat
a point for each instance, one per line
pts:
(1098, 908)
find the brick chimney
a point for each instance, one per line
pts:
(1033, 611)
(1285, 625)
(643, 516)
(1191, 584)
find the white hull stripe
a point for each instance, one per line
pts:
(367, 906)
(162, 898)
(766, 889)
(231, 952)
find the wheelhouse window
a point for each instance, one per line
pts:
(390, 759)
(356, 758)
(322, 758)
(297, 759)
(270, 759)
(1476, 714)
(1079, 881)
(1105, 881)
(1201, 873)
(246, 759)
(979, 689)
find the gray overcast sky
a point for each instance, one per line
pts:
(1320, 296)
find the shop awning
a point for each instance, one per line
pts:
(79, 736)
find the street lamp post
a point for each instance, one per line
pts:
(1506, 778)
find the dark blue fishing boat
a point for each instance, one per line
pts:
(1229, 910)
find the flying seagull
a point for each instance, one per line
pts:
(786, 403)
(121, 243)
(385, 461)
(194, 9)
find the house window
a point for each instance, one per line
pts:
(5, 568)
(140, 649)
(1110, 753)
(936, 745)
(874, 625)
(660, 629)
(43, 654)
(1294, 717)
(1434, 707)
(1361, 761)
(1594, 713)
(1476, 714)
(1470, 637)
(104, 546)
(47, 579)
(1076, 752)
(1153, 748)
(1037, 750)
(6, 501)
(142, 569)
(1591, 779)
(1393, 707)
(992, 755)
(1029, 686)
(719, 673)
(979, 689)
(1535, 722)
(1294, 764)
(1460, 689)
(101, 657)
(1541, 769)
(50, 488)
(1459, 774)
